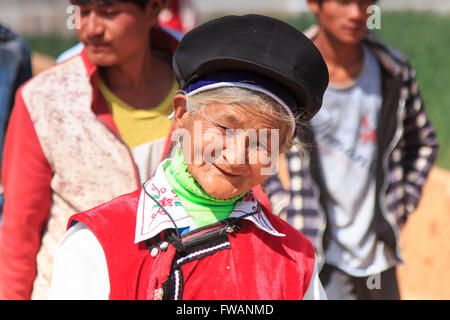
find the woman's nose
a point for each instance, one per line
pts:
(235, 150)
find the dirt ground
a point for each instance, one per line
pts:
(425, 238)
(426, 243)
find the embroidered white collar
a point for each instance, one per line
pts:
(151, 219)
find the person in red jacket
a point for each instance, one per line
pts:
(82, 133)
(199, 228)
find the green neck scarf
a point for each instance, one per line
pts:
(202, 208)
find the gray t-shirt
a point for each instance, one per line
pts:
(345, 130)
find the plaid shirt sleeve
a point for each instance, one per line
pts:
(299, 205)
(413, 157)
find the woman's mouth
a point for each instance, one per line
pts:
(226, 173)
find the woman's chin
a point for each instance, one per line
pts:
(217, 184)
(222, 193)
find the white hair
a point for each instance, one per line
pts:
(249, 101)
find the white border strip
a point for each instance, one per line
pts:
(197, 253)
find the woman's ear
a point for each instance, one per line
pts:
(179, 105)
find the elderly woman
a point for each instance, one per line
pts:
(196, 230)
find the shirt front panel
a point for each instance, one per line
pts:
(143, 131)
(136, 126)
(345, 130)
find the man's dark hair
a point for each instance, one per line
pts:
(320, 1)
(140, 3)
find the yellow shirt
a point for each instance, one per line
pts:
(137, 127)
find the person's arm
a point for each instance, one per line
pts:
(315, 290)
(26, 177)
(419, 145)
(80, 271)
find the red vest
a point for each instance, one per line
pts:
(247, 264)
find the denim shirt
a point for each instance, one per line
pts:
(15, 69)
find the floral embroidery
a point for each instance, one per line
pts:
(166, 202)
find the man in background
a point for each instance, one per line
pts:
(82, 133)
(371, 148)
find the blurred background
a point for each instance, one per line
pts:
(420, 29)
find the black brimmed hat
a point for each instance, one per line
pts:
(261, 45)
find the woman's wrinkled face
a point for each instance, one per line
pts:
(227, 150)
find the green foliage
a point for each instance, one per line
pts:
(52, 45)
(424, 38)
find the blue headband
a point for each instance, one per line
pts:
(249, 78)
